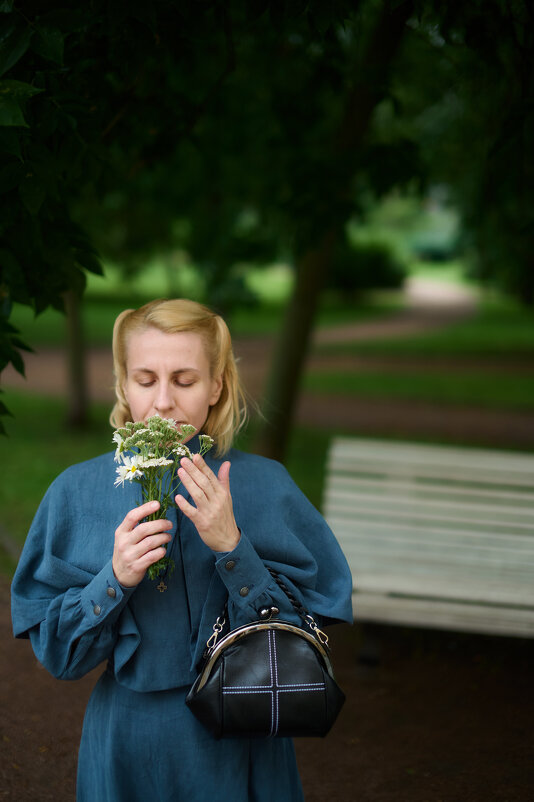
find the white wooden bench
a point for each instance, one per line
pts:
(436, 536)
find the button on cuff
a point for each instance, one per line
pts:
(111, 592)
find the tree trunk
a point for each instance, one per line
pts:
(292, 349)
(295, 336)
(77, 399)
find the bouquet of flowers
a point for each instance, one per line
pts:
(156, 448)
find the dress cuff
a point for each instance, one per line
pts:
(243, 573)
(103, 598)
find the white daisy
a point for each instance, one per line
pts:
(129, 470)
(120, 446)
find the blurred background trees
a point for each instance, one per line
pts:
(223, 135)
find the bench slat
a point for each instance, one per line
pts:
(355, 508)
(462, 617)
(422, 489)
(434, 459)
(428, 537)
(474, 590)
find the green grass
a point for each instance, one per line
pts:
(38, 447)
(493, 391)
(498, 330)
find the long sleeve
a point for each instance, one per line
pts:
(65, 596)
(80, 628)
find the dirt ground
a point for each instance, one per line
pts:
(429, 717)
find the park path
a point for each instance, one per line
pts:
(430, 305)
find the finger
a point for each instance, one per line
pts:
(197, 467)
(195, 482)
(150, 558)
(201, 471)
(150, 528)
(224, 475)
(202, 465)
(136, 515)
(151, 543)
(188, 509)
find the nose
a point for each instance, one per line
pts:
(164, 400)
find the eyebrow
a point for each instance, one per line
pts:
(174, 372)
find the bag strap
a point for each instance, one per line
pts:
(267, 613)
(308, 619)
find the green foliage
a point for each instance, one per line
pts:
(360, 266)
(466, 90)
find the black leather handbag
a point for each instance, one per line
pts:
(268, 678)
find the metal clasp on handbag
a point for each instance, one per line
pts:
(217, 629)
(321, 636)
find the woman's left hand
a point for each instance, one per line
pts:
(213, 514)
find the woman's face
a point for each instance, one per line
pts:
(169, 375)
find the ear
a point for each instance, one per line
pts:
(216, 390)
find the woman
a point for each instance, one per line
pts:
(82, 595)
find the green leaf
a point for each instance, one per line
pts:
(32, 193)
(14, 280)
(89, 261)
(6, 6)
(13, 44)
(4, 410)
(17, 362)
(17, 90)
(48, 43)
(12, 94)
(11, 113)
(21, 345)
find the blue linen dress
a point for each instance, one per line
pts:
(139, 739)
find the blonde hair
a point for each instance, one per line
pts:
(229, 413)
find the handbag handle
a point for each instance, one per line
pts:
(308, 619)
(267, 613)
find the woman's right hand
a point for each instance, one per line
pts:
(138, 545)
